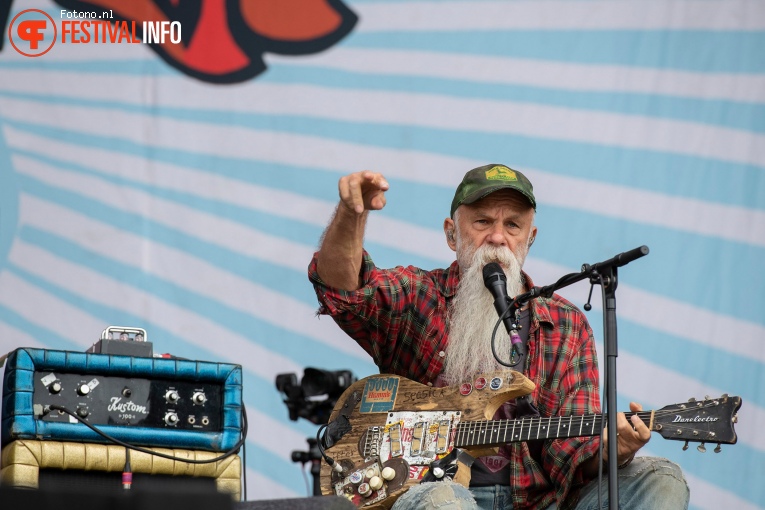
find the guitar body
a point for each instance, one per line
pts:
(388, 433)
(396, 423)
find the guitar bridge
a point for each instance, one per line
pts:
(372, 444)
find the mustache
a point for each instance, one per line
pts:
(502, 255)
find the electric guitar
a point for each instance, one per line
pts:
(387, 433)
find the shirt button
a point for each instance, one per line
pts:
(441, 354)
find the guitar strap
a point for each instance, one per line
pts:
(341, 425)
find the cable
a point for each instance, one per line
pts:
(305, 480)
(493, 343)
(229, 453)
(127, 473)
(244, 470)
(320, 445)
(603, 407)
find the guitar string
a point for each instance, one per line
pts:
(538, 421)
(644, 416)
(477, 427)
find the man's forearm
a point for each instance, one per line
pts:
(340, 253)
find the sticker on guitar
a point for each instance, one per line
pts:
(379, 394)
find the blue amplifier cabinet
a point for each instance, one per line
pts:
(144, 401)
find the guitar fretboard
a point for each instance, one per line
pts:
(496, 432)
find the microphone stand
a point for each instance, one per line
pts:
(604, 274)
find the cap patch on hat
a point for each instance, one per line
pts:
(500, 173)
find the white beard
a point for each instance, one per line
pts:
(473, 317)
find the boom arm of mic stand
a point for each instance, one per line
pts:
(548, 290)
(588, 271)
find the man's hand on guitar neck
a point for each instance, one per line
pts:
(631, 435)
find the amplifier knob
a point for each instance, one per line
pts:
(55, 387)
(171, 419)
(82, 412)
(199, 398)
(83, 389)
(172, 396)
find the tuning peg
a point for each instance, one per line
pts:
(702, 448)
(692, 399)
(724, 396)
(718, 448)
(685, 446)
(438, 472)
(706, 397)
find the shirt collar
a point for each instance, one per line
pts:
(540, 307)
(452, 278)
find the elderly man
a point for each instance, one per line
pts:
(435, 327)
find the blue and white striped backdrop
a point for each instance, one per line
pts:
(132, 194)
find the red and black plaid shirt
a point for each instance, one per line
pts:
(400, 317)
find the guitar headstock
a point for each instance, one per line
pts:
(702, 421)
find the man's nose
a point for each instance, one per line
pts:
(496, 236)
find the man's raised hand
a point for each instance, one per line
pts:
(363, 191)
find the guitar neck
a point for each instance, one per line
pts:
(497, 432)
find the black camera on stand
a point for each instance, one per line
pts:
(313, 399)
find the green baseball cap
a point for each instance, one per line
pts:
(487, 179)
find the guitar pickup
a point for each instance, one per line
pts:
(442, 441)
(394, 432)
(418, 436)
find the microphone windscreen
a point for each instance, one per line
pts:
(491, 269)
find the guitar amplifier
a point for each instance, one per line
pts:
(143, 401)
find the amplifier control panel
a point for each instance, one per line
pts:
(108, 400)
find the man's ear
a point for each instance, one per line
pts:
(533, 236)
(449, 232)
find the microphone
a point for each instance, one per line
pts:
(495, 280)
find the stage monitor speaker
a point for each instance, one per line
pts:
(55, 465)
(315, 503)
(16, 498)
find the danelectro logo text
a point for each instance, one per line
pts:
(695, 419)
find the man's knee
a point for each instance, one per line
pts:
(436, 495)
(668, 477)
(658, 480)
(648, 483)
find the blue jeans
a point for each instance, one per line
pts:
(648, 483)
(445, 495)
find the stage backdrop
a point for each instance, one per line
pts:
(183, 188)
